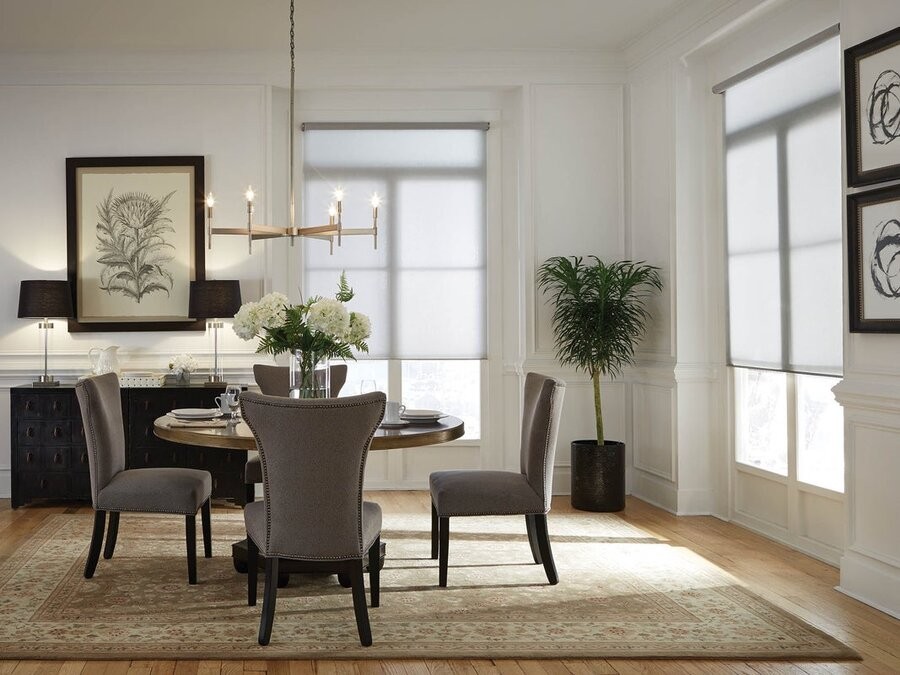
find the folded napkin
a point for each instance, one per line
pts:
(198, 424)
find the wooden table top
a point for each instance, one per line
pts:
(239, 437)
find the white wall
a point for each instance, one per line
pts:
(556, 185)
(870, 394)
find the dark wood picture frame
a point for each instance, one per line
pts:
(177, 215)
(870, 259)
(863, 125)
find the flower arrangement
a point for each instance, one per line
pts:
(315, 329)
(183, 365)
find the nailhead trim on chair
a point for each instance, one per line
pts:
(265, 473)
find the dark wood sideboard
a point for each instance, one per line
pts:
(49, 456)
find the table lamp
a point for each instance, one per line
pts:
(214, 299)
(43, 299)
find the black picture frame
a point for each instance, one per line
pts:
(873, 260)
(872, 109)
(165, 193)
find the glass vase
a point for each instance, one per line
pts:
(310, 376)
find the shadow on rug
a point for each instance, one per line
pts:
(622, 594)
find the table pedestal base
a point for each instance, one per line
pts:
(286, 566)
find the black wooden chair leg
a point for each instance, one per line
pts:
(532, 539)
(540, 527)
(96, 543)
(444, 531)
(434, 532)
(250, 493)
(374, 572)
(359, 602)
(269, 595)
(190, 538)
(207, 529)
(252, 571)
(112, 531)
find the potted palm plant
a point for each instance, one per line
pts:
(600, 313)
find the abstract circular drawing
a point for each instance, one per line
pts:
(884, 108)
(884, 264)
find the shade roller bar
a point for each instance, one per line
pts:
(811, 41)
(394, 126)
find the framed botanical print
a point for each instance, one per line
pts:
(135, 241)
(873, 238)
(872, 85)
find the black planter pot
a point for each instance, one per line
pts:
(598, 476)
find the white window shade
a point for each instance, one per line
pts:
(425, 287)
(783, 184)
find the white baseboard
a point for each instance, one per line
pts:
(5, 483)
(696, 502)
(654, 490)
(814, 549)
(871, 581)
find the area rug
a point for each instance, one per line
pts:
(622, 594)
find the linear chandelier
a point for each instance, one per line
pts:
(334, 229)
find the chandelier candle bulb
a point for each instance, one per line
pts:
(210, 202)
(249, 194)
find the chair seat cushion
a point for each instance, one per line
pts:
(253, 470)
(483, 493)
(163, 490)
(255, 522)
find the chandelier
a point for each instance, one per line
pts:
(333, 229)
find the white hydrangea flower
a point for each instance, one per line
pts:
(182, 363)
(270, 310)
(245, 325)
(329, 316)
(360, 328)
(253, 317)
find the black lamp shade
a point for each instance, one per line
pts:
(215, 299)
(45, 300)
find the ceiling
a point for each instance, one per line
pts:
(177, 25)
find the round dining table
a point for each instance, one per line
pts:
(237, 436)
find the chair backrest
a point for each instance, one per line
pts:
(104, 431)
(313, 455)
(275, 380)
(540, 426)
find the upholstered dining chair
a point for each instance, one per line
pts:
(313, 454)
(506, 493)
(275, 381)
(115, 489)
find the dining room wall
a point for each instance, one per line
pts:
(558, 187)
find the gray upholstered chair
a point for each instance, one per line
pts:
(115, 489)
(313, 454)
(505, 493)
(275, 381)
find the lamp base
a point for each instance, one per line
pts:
(213, 381)
(45, 381)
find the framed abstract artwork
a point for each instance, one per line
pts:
(872, 86)
(135, 241)
(873, 239)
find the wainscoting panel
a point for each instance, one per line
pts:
(760, 500)
(654, 445)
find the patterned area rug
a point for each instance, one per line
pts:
(622, 594)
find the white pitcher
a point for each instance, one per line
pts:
(104, 360)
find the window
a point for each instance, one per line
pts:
(783, 187)
(425, 285)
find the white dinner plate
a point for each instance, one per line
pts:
(394, 425)
(195, 413)
(421, 414)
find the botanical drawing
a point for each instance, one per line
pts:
(133, 249)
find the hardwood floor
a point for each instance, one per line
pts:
(787, 578)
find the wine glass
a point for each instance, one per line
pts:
(367, 386)
(233, 394)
